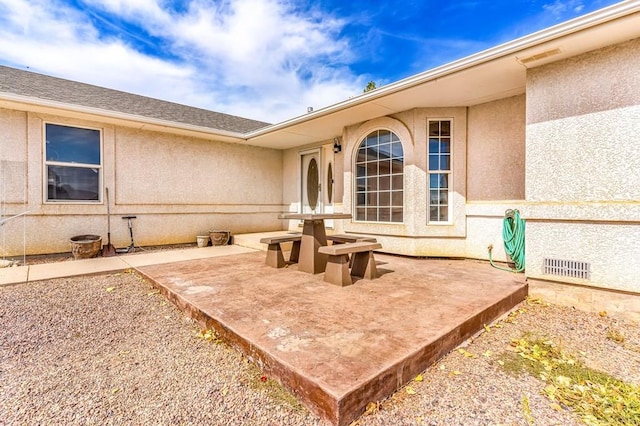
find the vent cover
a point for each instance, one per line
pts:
(567, 268)
(539, 56)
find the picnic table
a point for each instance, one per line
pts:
(314, 236)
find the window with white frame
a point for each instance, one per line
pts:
(379, 169)
(73, 163)
(439, 147)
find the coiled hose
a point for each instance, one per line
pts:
(513, 235)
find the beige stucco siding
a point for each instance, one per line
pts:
(603, 80)
(291, 180)
(484, 228)
(13, 125)
(583, 125)
(583, 167)
(161, 169)
(13, 157)
(496, 150)
(611, 249)
(585, 158)
(178, 187)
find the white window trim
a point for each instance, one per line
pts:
(449, 172)
(45, 163)
(354, 188)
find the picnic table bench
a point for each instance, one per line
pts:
(349, 238)
(275, 258)
(364, 265)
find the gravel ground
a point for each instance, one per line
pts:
(108, 349)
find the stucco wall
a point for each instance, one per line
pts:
(602, 80)
(496, 150)
(13, 156)
(484, 228)
(610, 248)
(178, 187)
(496, 173)
(585, 158)
(291, 184)
(583, 167)
(161, 169)
(13, 125)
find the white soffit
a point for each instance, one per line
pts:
(493, 74)
(490, 82)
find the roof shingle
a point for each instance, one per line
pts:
(26, 83)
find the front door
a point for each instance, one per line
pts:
(311, 173)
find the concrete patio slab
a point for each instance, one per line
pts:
(339, 348)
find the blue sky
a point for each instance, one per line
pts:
(262, 59)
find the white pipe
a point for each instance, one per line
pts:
(13, 217)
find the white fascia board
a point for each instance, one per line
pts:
(582, 23)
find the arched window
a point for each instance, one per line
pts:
(379, 178)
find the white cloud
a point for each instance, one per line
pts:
(263, 59)
(560, 8)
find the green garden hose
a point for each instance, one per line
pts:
(513, 236)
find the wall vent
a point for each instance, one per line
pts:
(539, 56)
(567, 268)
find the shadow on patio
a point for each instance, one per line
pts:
(339, 348)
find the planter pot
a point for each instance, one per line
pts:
(85, 246)
(219, 238)
(202, 240)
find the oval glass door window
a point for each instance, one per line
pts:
(312, 184)
(330, 184)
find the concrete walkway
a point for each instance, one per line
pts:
(98, 265)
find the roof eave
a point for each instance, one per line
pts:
(12, 100)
